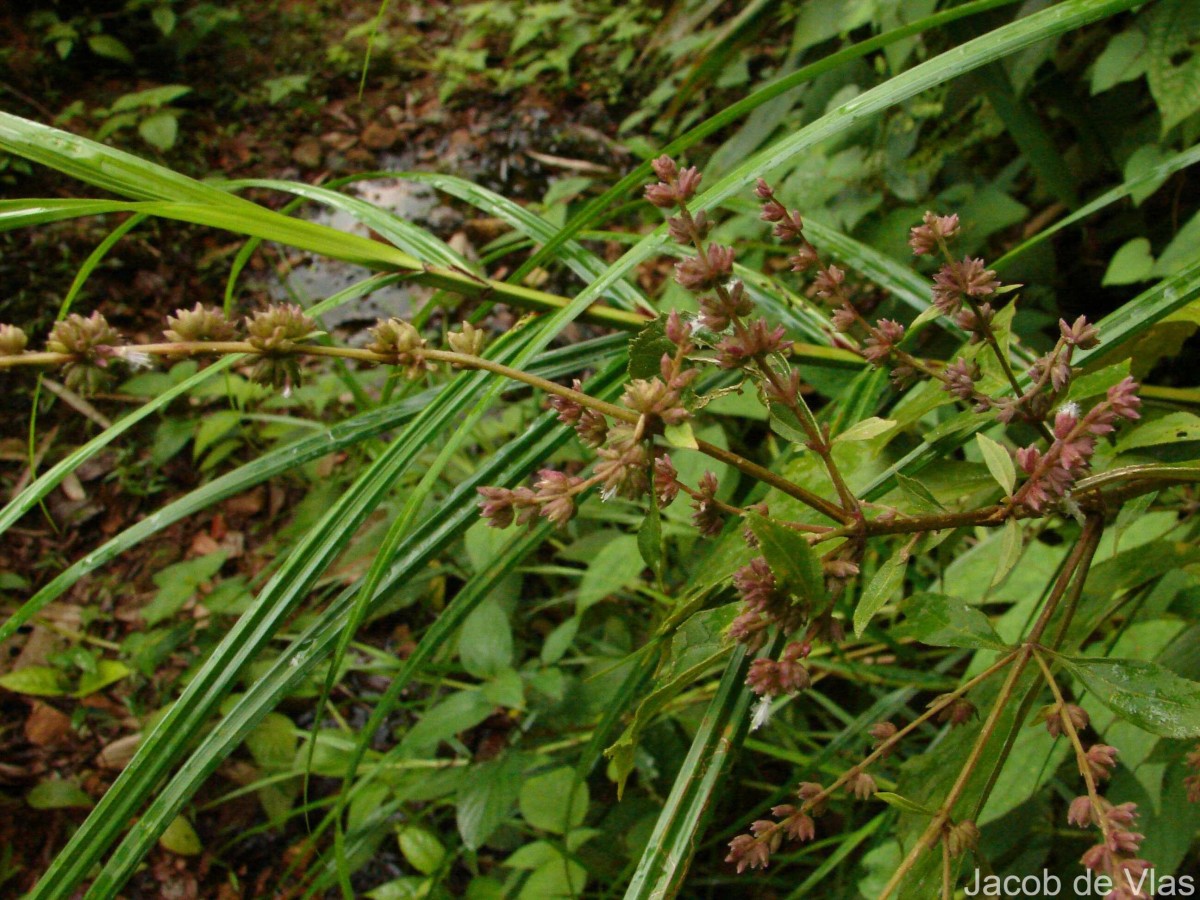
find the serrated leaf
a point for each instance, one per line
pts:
(793, 561)
(998, 462)
(681, 435)
(646, 349)
(1010, 550)
(1150, 696)
(943, 621)
(904, 804)
(881, 588)
(866, 429)
(918, 494)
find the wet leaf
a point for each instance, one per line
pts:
(1151, 697)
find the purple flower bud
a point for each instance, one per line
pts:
(665, 168)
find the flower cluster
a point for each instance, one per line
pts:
(753, 850)
(1053, 472)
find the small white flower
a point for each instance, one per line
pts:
(287, 390)
(1071, 505)
(762, 713)
(608, 493)
(1071, 409)
(136, 359)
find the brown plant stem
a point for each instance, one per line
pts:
(1080, 754)
(934, 830)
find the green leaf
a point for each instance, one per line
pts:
(459, 712)
(881, 588)
(919, 495)
(485, 645)
(793, 561)
(649, 539)
(1174, 64)
(1010, 550)
(273, 742)
(163, 18)
(618, 564)
(178, 583)
(181, 838)
(486, 797)
(646, 349)
(57, 793)
(559, 641)
(560, 878)
(213, 427)
(421, 848)
(1096, 383)
(151, 98)
(110, 48)
(1170, 429)
(942, 621)
(160, 129)
(998, 462)
(865, 430)
(108, 671)
(554, 801)
(38, 681)
(505, 689)
(1123, 59)
(681, 435)
(904, 804)
(1133, 262)
(1150, 696)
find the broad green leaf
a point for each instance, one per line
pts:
(38, 681)
(942, 621)
(160, 129)
(998, 461)
(178, 583)
(866, 429)
(181, 838)
(793, 561)
(505, 688)
(110, 48)
(57, 793)
(554, 801)
(681, 435)
(273, 742)
(1151, 697)
(880, 589)
(152, 97)
(619, 563)
(559, 640)
(485, 644)
(646, 349)
(1174, 65)
(459, 712)
(1170, 429)
(108, 671)
(1133, 262)
(486, 797)
(421, 848)
(1123, 59)
(560, 878)
(1096, 383)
